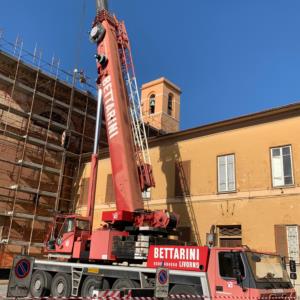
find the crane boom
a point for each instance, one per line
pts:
(118, 122)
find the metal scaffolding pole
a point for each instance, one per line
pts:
(43, 161)
(75, 73)
(25, 142)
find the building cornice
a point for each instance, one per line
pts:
(161, 80)
(271, 115)
(268, 194)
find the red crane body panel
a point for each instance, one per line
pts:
(118, 126)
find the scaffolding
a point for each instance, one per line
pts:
(47, 121)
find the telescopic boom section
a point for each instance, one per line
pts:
(125, 173)
(101, 5)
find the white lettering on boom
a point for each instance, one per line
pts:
(109, 106)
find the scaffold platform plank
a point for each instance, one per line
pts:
(29, 164)
(54, 124)
(39, 142)
(14, 110)
(21, 243)
(25, 216)
(30, 190)
(44, 96)
(33, 141)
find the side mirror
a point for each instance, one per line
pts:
(256, 258)
(293, 276)
(236, 268)
(292, 264)
(238, 276)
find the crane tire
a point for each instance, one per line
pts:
(125, 283)
(61, 285)
(91, 283)
(40, 284)
(181, 289)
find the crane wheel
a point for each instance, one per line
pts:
(180, 289)
(125, 283)
(61, 285)
(40, 284)
(92, 283)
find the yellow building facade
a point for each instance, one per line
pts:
(239, 179)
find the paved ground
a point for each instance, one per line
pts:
(3, 288)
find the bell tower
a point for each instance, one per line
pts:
(161, 105)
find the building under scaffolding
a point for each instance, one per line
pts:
(47, 120)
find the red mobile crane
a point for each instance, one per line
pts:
(118, 97)
(135, 235)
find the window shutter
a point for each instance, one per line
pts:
(235, 242)
(109, 194)
(230, 173)
(287, 165)
(277, 169)
(222, 173)
(293, 242)
(281, 240)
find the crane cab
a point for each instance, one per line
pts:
(68, 235)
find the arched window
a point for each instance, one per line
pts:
(170, 104)
(152, 104)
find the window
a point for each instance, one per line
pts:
(82, 225)
(227, 264)
(226, 173)
(229, 235)
(152, 104)
(68, 226)
(287, 241)
(282, 166)
(293, 242)
(170, 104)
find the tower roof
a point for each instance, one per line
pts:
(161, 80)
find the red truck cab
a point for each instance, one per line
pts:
(243, 273)
(230, 272)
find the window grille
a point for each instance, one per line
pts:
(229, 235)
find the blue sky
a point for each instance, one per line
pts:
(230, 57)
